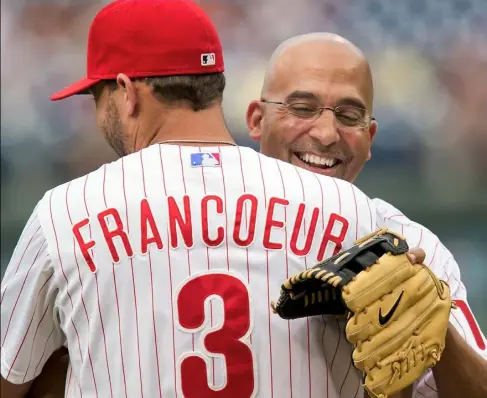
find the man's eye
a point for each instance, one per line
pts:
(304, 110)
(350, 115)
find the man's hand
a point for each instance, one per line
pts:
(416, 255)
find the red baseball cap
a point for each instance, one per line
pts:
(144, 38)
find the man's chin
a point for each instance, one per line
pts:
(335, 171)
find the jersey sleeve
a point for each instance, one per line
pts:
(30, 330)
(443, 264)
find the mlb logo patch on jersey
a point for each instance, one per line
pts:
(202, 159)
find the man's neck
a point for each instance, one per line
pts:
(200, 128)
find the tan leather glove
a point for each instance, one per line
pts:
(398, 311)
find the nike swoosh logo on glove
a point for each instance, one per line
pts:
(384, 319)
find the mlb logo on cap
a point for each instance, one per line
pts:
(208, 59)
(203, 159)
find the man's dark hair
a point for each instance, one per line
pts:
(199, 91)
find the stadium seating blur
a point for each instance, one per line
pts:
(429, 61)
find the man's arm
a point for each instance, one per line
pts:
(462, 368)
(49, 384)
(30, 330)
(52, 380)
(461, 372)
(11, 390)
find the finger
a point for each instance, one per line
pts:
(416, 255)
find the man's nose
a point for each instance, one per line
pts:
(324, 129)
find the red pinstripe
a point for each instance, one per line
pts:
(434, 255)
(133, 283)
(28, 328)
(358, 387)
(338, 325)
(268, 287)
(345, 379)
(262, 176)
(225, 201)
(208, 266)
(44, 351)
(81, 283)
(420, 238)
(305, 266)
(322, 203)
(187, 250)
(96, 281)
(432, 388)
(356, 212)
(287, 276)
(20, 293)
(66, 279)
(326, 362)
(170, 282)
(18, 264)
(116, 298)
(460, 324)
(152, 291)
(338, 344)
(455, 278)
(245, 190)
(35, 335)
(370, 213)
(207, 249)
(246, 249)
(442, 264)
(339, 196)
(323, 228)
(69, 380)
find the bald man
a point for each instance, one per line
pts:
(315, 112)
(304, 74)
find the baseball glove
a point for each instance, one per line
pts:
(397, 311)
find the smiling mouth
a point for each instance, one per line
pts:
(321, 162)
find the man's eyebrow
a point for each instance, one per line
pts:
(302, 95)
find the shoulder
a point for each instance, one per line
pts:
(438, 257)
(71, 195)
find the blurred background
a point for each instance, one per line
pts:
(429, 61)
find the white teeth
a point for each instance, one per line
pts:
(317, 160)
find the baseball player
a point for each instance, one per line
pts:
(315, 87)
(156, 271)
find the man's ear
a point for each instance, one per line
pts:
(130, 97)
(373, 128)
(254, 119)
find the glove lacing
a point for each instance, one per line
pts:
(403, 360)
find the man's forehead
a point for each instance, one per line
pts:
(325, 69)
(323, 84)
(319, 61)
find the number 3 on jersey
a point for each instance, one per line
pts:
(228, 341)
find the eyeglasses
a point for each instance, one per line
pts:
(347, 115)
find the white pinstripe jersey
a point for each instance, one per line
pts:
(157, 272)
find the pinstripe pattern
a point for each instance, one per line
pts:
(122, 322)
